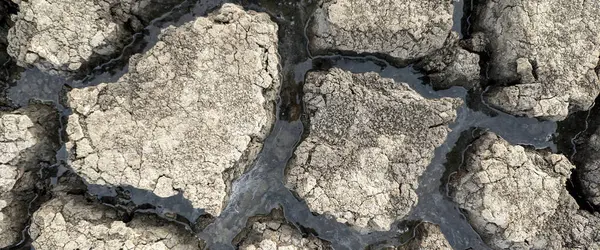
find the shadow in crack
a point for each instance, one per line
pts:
(574, 140)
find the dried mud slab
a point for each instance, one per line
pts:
(516, 198)
(62, 35)
(452, 65)
(274, 232)
(26, 144)
(370, 139)
(71, 222)
(427, 236)
(402, 30)
(545, 51)
(190, 114)
(568, 228)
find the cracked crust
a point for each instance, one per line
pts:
(452, 66)
(196, 105)
(427, 236)
(516, 197)
(403, 30)
(25, 144)
(62, 35)
(370, 139)
(71, 222)
(549, 48)
(569, 228)
(273, 232)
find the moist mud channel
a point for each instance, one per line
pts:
(261, 188)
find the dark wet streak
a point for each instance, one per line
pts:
(132, 200)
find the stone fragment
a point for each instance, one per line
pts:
(542, 55)
(71, 222)
(27, 142)
(402, 30)
(192, 108)
(370, 139)
(515, 197)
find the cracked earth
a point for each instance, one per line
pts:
(310, 124)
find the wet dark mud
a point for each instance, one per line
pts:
(132, 200)
(8, 67)
(572, 139)
(261, 189)
(461, 18)
(35, 196)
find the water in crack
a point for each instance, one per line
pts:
(262, 189)
(132, 199)
(457, 16)
(573, 138)
(35, 85)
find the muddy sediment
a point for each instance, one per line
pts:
(256, 204)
